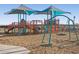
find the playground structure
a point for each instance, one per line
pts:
(33, 26)
(50, 25)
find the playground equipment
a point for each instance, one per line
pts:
(69, 26)
(22, 12)
(54, 12)
(48, 26)
(14, 25)
(37, 25)
(23, 25)
(21, 15)
(11, 27)
(55, 25)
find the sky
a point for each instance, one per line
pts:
(8, 19)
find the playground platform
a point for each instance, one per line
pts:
(9, 49)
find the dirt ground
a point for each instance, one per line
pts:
(61, 44)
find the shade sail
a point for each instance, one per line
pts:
(52, 9)
(26, 10)
(20, 10)
(15, 11)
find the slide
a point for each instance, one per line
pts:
(11, 28)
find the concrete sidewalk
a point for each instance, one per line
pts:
(9, 49)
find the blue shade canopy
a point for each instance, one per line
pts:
(20, 10)
(51, 9)
(15, 11)
(26, 10)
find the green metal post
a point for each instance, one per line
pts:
(58, 25)
(23, 28)
(14, 27)
(75, 31)
(18, 21)
(47, 20)
(55, 22)
(44, 31)
(69, 30)
(25, 23)
(26, 20)
(45, 28)
(20, 18)
(50, 32)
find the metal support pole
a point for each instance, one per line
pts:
(75, 30)
(47, 21)
(14, 27)
(26, 21)
(69, 30)
(58, 25)
(47, 15)
(18, 21)
(45, 28)
(20, 18)
(44, 32)
(50, 32)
